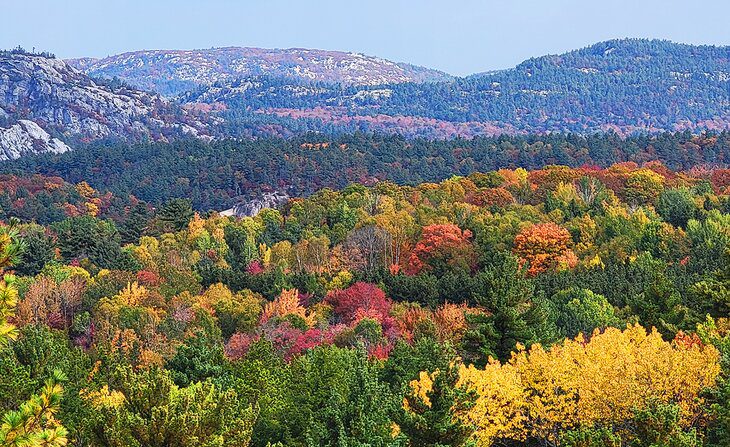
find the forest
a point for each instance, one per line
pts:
(579, 304)
(216, 175)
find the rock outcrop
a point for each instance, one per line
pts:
(252, 207)
(26, 137)
(174, 71)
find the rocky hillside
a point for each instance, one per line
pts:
(173, 71)
(41, 96)
(624, 85)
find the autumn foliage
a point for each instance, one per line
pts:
(540, 392)
(545, 247)
(441, 246)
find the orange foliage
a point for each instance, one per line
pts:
(442, 243)
(545, 247)
(286, 304)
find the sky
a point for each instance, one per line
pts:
(457, 36)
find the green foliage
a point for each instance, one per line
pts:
(174, 215)
(98, 241)
(582, 311)
(147, 409)
(337, 399)
(658, 426)
(518, 315)
(40, 249)
(433, 423)
(677, 206)
(199, 358)
(35, 423)
(590, 437)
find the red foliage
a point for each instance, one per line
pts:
(442, 243)
(255, 268)
(283, 337)
(380, 352)
(148, 278)
(358, 301)
(307, 340)
(238, 345)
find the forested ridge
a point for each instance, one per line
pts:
(217, 174)
(624, 85)
(572, 306)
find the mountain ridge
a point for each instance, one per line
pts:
(621, 85)
(172, 71)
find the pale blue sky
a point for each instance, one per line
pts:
(457, 36)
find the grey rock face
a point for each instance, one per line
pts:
(60, 98)
(26, 137)
(252, 207)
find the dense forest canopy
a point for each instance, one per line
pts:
(571, 306)
(243, 247)
(215, 175)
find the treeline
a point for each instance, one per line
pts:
(215, 175)
(560, 306)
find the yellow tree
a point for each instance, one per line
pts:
(540, 393)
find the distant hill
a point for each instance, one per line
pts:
(623, 85)
(626, 86)
(43, 101)
(173, 71)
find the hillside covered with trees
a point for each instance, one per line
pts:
(571, 306)
(625, 85)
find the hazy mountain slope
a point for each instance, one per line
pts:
(624, 85)
(174, 71)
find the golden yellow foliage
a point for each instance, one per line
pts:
(287, 304)
(103, 398)
(85, 190)
(132, 295)
(603, 381)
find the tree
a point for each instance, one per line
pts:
(40, 250)
(433, 410)
(643, 187)
(175, 215)
(514, 314)
(359, 300)
(582, 311)
(677, 206)
(442, 247)
(659, 425)
(88, 238)
(135, 223)
(11, 248)
(337, 399)
(147, 409)
(545, 247)
(199, 358)
(603, 382)
(35, 423)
